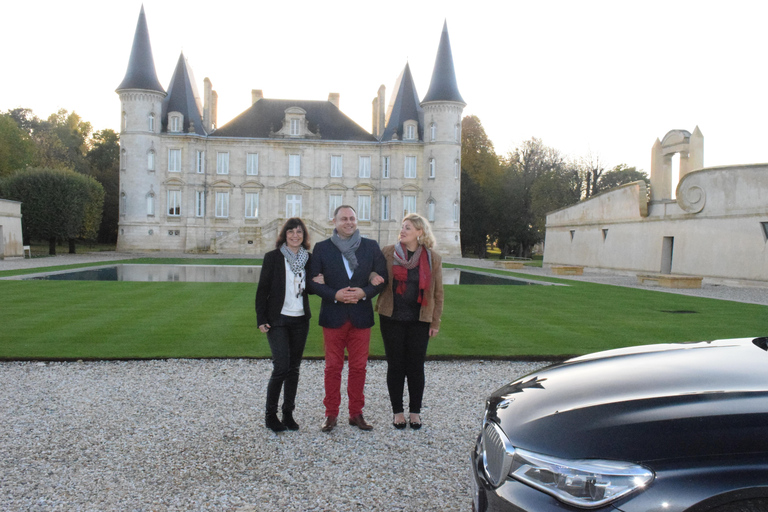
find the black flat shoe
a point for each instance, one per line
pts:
(398, 426)
(415, 425)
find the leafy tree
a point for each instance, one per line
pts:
(621, 175)
(480, 178)
(104, 160)
(56, 204)
(16, 147)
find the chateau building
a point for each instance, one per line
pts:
(188, 185)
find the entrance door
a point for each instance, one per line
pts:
(667, 247)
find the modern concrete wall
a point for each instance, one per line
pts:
(716, 227)
(11, 244)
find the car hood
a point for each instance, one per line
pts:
(643, 403)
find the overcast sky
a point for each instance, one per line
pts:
(600, 78)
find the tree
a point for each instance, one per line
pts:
(480, 178)
(56, 204)
(16, 147)
(104, 163)
(621, 175)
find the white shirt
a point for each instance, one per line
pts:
(294, 285)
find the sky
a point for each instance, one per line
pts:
(598, 80)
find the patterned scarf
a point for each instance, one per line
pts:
(347, 246)
(421, 259)
(296, 261)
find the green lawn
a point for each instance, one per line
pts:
(120, 320)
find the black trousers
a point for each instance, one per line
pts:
(286, 341)
(405, 344)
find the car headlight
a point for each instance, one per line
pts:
(583, 483)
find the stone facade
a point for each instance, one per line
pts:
(188, 185)
(11, 244)
(715, 227)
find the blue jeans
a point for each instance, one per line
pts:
(286, 341)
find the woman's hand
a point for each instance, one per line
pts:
(375, 279)
(433, 332)
(319, 279)
(264, 327)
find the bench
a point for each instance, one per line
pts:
(510, 264)
(669, 280)
(27, 251)
(567, 270)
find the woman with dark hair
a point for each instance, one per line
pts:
(282, 313)
(409, 309)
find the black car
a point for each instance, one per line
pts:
(663, 428)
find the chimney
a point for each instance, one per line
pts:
(333, 97)
(256, 95)
(382, 110)
(207, 97)
(214, 108)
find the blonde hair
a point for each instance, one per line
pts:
(427, 239)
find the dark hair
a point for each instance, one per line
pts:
(292, 223)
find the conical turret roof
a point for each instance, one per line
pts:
(141, 66)
(183, 97)
(403, 106)
(443, 86)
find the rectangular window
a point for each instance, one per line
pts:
(151, 160)
(456, 167)
(409, 205)
(174, 203)
(456, 211)
(333, 202)
(294, 126)
(251, 205)
(199, 203)
(410, 167)
(174, 160)
(364, 207)
(410, 132)
(152, 122)
(365, 167)
(384, 207)
(200, 162)
(222, 205)
(432, 167)
(252, 164)
(431, 211)
(151, 204)
(292, 205)
(294, 165)
(222, 163)
(175, 124)
(385, 167)
(336, 162)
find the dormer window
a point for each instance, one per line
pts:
(294, 127)
(295, 122)
(410, 130)
(175, 122)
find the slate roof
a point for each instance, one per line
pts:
(403, 106)
(443, 86)
(266, 117)
(141, 66)
(183, 97)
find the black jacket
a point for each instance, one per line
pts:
(270, 292)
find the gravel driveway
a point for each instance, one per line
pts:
(188, 435)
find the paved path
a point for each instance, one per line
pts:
(753, 293)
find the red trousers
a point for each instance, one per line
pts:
(356, 342)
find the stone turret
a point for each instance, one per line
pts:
(442, 109)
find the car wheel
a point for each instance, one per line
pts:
(758, 505)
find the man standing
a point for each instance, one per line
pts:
(346, 261)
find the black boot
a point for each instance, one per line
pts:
(274, 423)
(289, 422)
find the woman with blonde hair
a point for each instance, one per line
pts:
(409, 309)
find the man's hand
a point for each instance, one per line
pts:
(350, 295)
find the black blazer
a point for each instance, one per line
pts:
(270, 292)
(327, 260)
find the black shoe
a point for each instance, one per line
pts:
(398, 426)
(289, 422)
(274, 423)
(415, 425)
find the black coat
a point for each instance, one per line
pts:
(270, 292)
(327, 260)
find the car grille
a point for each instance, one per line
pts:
(497, 453)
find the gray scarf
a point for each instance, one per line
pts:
(296, 261)
(347, 246)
